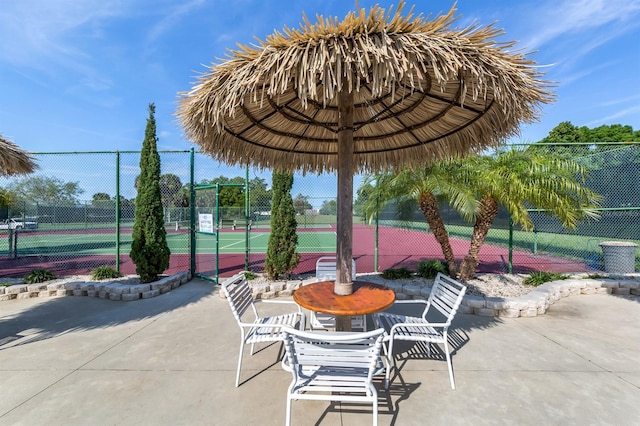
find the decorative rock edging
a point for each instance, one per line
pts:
(534, 303)
(540, 298)
(112, 290)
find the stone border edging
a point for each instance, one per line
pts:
(112, 290)
(531, 304)
(534, 303)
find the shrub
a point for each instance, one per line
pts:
(396, 273)
(149, 249)
(281, 249)
(537, 278)
(104, 272)
(595, 276)
(430, 268)
(39, 276)
(250, 275)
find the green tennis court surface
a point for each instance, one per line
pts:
(234, 242)
(101, 243)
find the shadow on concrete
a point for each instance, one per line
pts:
(50, 317)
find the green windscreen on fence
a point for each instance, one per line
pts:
(76, 213)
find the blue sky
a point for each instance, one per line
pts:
(77, 75)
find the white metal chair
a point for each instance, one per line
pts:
(257, 329)
(445, 298)
(333, 366)
(326, 271)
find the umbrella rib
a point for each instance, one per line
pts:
(305, 119)
(387, 109)
(399, 120)
(258, 123)
(467, 107)
(295, 145)
(273, 148)
(318, 105)
(450, 104)
(451, 132)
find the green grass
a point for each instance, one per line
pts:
(101, 244)
(561, 245)
(567, 246)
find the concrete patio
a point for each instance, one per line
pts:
(170, 360)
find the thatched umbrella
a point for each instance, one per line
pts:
(375, 91)
(13, 160)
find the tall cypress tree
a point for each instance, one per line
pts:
(281, 251)
(149, 249)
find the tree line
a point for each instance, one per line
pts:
(577, 141)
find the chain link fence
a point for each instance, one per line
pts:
(76, 213)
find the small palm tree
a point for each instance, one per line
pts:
(520, 180)
(476, 186)
(443, 181)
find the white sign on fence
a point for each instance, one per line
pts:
(205, 222)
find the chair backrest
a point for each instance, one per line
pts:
(326, 268)
(356, 351)
(446, 296)
(238, 293)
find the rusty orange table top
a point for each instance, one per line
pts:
(367, 298)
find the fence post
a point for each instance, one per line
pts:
(510, 266)
(11, 246)
(246, 219)
(118, 211)
(375, 249)
(217, 225)
(192, 214)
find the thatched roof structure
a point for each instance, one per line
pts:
(421, 90)
(375, 91)
(13, 160)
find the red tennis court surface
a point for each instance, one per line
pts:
(397, 248)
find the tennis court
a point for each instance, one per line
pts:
(76, 251)
(103, 241)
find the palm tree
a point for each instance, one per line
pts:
(476, 186)
(520, 180)
(442, 181)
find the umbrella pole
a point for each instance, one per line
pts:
(344, 226)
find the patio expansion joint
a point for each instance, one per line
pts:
(601, 369)
(80, 368)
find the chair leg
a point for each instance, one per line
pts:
(450, 367)
(389, 358)
(239, 363)
(375, 409)
(288, 414)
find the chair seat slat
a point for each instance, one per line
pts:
(326, 367)
(445, 298)
(261, 329)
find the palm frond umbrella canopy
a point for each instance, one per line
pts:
(13, 160)
(375, 91)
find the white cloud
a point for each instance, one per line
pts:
(627, 112)
(621, 101)
(554, 19)
(31, 30)
(172, 17)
